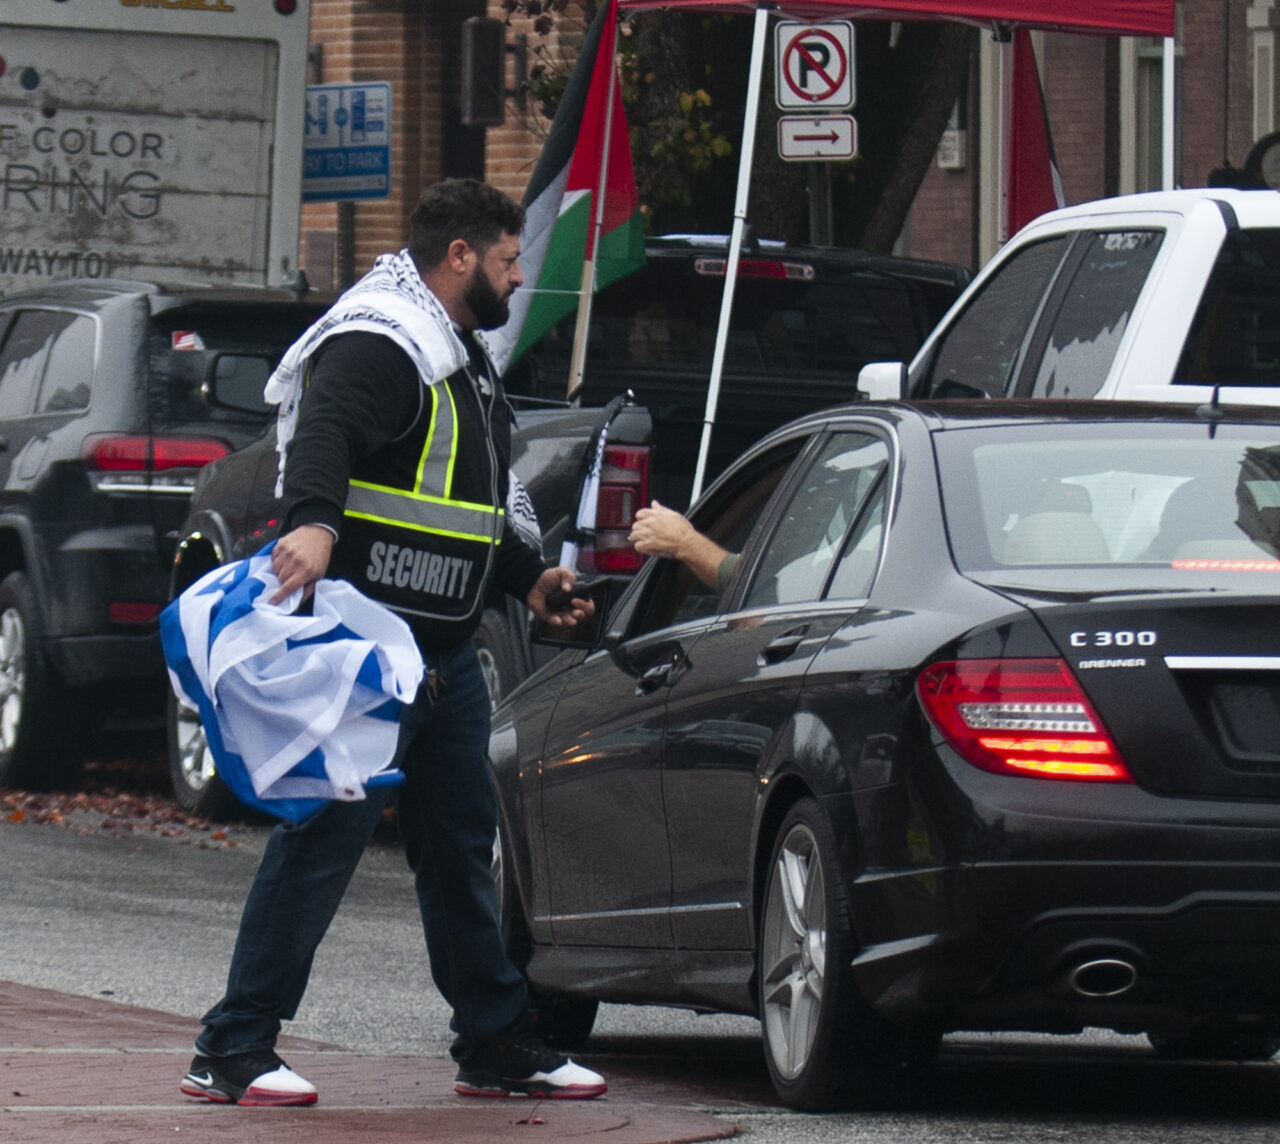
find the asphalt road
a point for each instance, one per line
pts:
(147, 916)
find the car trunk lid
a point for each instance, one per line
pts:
(1188, 685)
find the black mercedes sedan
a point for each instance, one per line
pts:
(984, 733)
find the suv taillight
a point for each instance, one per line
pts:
(1020, 717)
(624, 490)
(140, 462)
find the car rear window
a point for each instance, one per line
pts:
(1163, 498)
(665, 317)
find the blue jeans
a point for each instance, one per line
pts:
(447, 816)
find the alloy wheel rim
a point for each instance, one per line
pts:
(492, 680)
(793, 953)
(13, 676)
(195, 760)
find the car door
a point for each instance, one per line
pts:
(603, 811)
(608, 870)
(731, 705)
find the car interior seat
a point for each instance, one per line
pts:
(1200, 521)
(1059, 529)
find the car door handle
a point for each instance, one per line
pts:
(775, 651)
(4, 444)
(655, 677)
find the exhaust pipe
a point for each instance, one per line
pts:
(1103, 977)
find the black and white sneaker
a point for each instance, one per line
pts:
(258, 1079)
(517, 1063)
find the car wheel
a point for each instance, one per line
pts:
(563, 1023)
(196, 785)
(493, 647)
(1220, 1044)
(36, 745)
(822, 1042)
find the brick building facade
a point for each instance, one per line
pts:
(416, 47)
(1103, 95)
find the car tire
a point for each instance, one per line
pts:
(493, 647)
(196, 785)
(38, 750)
(824, 1046)
(563, 1023)
(1222, 1044)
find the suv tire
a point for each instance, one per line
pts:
(196, 786)
(36, 752)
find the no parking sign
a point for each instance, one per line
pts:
(814, 65)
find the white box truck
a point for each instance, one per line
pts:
(155, 139)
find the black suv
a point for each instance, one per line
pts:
(112, 396)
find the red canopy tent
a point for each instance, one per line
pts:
(1126, 17)
(1130, 17)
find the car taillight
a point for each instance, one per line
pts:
(1020, 717)
(131, 612)
(141, 462)
(624, 490)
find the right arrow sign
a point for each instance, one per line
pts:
(809, 137)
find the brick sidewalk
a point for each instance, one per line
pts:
(78, 1069)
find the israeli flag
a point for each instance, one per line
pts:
(298, 710)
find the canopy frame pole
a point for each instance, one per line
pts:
(1168, 65)
(759, 41)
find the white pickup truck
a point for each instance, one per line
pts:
(1160, 297)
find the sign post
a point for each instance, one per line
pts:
(347, 150)
(815, 74)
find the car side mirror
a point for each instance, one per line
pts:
(588, 633)
(883, 380)
(235, 381)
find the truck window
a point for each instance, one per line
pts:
(664, 318)
(1111, 267)
(983, 347)
(1235, 337)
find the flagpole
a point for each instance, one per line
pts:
(586, 292)
(735, 239)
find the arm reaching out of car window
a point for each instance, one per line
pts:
(660, 531)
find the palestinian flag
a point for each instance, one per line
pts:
(560, 199)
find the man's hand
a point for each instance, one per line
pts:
(660, 531)
(551, 580)
(300, 558)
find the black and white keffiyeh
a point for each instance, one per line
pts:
(391, 300)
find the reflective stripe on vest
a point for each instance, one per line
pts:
(429, 512)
